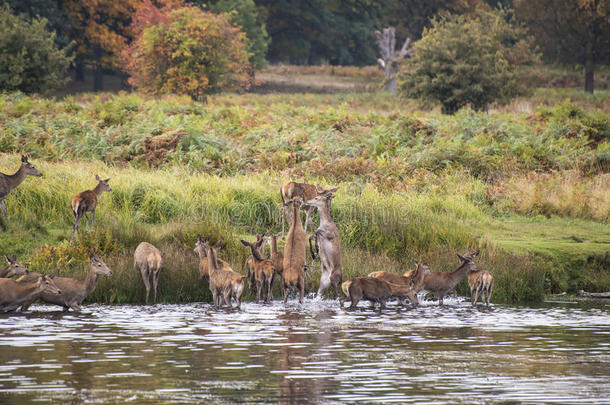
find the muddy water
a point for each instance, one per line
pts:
(310, 353)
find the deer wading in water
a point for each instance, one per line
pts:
(147, 259)
(440, 283)
(224, 284)
(14, 294)
(86, 201)
(293, 274)
(327, 243)
(480, 281)
(8, 182)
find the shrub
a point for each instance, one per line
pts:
(30, 61)
(188, 51)
(467, 59)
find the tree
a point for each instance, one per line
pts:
(30, 60)
(390, 58)
(244, 14)
(576, 31)
(467, 59)
(189, 51)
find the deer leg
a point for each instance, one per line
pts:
(285, 214)
(155, 283)
(269, 285)
(491, 285)
(87, 216)
(307, 218)
(440, 300)
(302, 289)
(284, 292)
(259, 287)
(227, 297)
(75, 227)
(4, 208)
(214, 301)
(477, 291)
(93, 215)
(145, 278)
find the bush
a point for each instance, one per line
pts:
(30, 61)
(189, 51)
(467, 59)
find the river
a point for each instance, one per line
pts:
(310, 353)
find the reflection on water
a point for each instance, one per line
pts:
(310, 353)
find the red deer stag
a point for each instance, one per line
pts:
(147, 259)
(14, 294)
(86, 201)
(73, 291)
(328, 243)
(262, 270)
(14, 268)
(293, 274)
(8, 182)
(223, 284)
(292, 190)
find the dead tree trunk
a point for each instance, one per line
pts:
(391, 58)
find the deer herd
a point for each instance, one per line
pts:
(227, 285)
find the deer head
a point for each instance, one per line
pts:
(201, 247)
(99, 267)
(103, 184)
(467, 260)
(29, 168)
(15, 268)
(48, 285)
(323, 197)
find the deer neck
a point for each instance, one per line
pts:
(256, 254)
(29, 289)
(16, 178)
(90, 281)
(212, 262)
(418, 279)
(98, 189)
(4, 271)
(399, 289)
(274, 250)
(459, 273)
(325, 214)
(296, 221)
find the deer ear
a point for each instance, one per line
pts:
(415, 262)
(461, 258)
(8, 259)
(24, 158)
(244, 242)
(319, 189)
(27, 271)
(107, 180)
(97, 178)
(218, 244)
(52, 276)
(333, 190)
(198, 238)
(476, 253)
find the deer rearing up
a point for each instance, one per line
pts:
(14, 268)
(147, 259)
(263, 271)
(293, 274)
(292, 190)
(86, 201)
(8, 182)
(13, 294)
(327, 243)
(223, 284)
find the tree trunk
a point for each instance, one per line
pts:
(80, 72)
(589, 67)
(98, 84)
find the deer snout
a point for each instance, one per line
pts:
(111, 273)
(58, 292)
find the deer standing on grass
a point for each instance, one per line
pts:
(260, 240)
(327, 242)
(292, 190)
(262, 269)
(73, 292)
(293, 274)
(14, 268)
(480, 281)
(8, 182)
(223, 284)
(147, 259)
(201, 250)
(440, 283)
(14, 294)
(86, 201)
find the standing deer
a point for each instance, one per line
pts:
(480, 281)
(292, 190)
(262, 270)
(440, 283)
(223, 284)
(73, 292)
(277, 257)
(201, 250)
(260, 240)
(14, 268)
(293, 274)
(147, 259)
(327, 243)
(414, 280)
(8, 182)
(14, 294)
(86, 201)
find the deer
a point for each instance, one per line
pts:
(148, 260)
(14, 294)
(480, 281)
(8, 182)
(372, 289)
(292, 190)
(414, 280)
(224, 284)
(440, 283)
(201, 250)
(277, 257)
(327, 242)
(293, 273)
(260, 240)
(73, 291)
(14, 268)
(86, 201)
(262, 269)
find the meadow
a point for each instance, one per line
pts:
(528, 183)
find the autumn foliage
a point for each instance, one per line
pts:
(185, 50)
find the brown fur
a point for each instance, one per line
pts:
(277, 257)
(292, 190)
(14, 268)
(251, 276)
(440, 283)
(223, 284)
(86, 201)
(73, 291)
(293, 275)
(8, 182)
(13, 294)
(413, 283)
(263, 271)
(147, 259)
(369, 288)
(204, 269)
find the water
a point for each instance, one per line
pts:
(310, 353)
